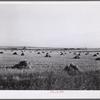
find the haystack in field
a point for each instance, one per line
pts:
(72, 69)
(77, 57)
(43, 52)
(61, 53)
(38, 53)
(47, 55)
(1, 52)
(95, 55)
(97, 58)
(22, 54)
(22, 65)
(50, 51)
(15, 53)
(87, 53)
(79, 54)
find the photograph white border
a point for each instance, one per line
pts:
(44, 94)
(31, 94)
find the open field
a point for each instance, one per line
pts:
(47, 73)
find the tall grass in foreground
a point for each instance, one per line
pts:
(14, 79)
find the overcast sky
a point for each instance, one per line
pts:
(50, 24)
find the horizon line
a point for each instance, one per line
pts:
(48, 47)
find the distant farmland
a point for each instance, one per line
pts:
(46, 69)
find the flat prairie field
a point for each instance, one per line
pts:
(47, 73)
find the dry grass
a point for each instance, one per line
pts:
(29, 80)
(47, 73)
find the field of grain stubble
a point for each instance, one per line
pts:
(50, 70)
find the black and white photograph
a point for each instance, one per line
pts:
(50, 46)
